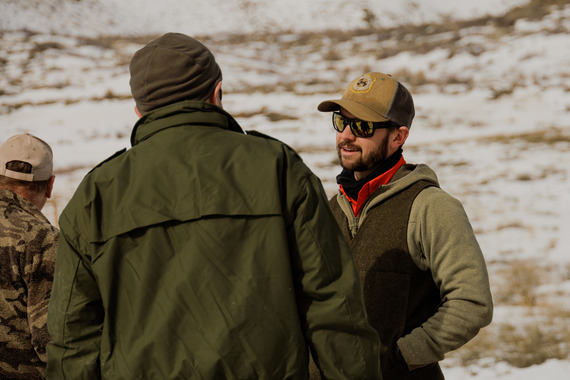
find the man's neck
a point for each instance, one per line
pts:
(352, 182)
(37, 200)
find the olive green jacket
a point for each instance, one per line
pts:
(204, 252)
(441, 240)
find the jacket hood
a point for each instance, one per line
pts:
(405, 177)
(409, 174)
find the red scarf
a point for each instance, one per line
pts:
(371, 186)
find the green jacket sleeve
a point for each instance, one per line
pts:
(441, 239)
(75, 315)
(343, 345)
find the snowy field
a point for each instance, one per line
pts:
(492, 116)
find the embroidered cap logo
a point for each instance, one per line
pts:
(363, 84)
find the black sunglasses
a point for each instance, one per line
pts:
(359, 128)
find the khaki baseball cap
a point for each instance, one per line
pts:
(30, 149)
(375, 97)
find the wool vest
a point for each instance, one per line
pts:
(398, 296)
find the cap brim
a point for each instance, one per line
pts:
(355, 108)
(329, 106)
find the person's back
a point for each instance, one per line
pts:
(204, 252)
(28, 244)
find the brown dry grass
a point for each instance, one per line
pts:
(538, 334)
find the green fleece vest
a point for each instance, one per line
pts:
(398, 295)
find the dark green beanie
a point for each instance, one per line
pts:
(170, 69)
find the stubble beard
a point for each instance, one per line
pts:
(371, 160)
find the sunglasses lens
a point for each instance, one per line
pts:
(359, 128)
(338, 122)
(363, 128)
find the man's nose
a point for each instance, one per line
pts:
(347, 134)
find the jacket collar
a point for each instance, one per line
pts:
(10, 198)
(182, 113)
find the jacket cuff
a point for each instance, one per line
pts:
(399, 357)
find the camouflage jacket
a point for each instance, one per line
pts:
(28, 243)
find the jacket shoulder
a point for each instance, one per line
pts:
(262, 135)
(273, 140)
(434, 196)
(115, 155)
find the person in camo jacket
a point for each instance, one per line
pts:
(28, 244)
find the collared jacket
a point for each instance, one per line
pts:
(440, 241)
(28, 244)
(204, 252)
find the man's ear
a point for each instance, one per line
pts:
(401, 136)
(216, 97)
(49, 188)
(139, 114)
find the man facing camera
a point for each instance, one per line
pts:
(425, 283)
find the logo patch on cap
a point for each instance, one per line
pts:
(363, 83)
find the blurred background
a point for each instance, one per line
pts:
(490, 80)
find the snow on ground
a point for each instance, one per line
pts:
(492, 106)
(551, 370)
(135, 17)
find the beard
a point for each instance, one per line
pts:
(365, 162)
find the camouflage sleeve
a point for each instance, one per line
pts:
(38, 274)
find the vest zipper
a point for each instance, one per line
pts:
(354, 225)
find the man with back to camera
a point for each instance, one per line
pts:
(28, 243)
(202, 252)
(425, 282)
